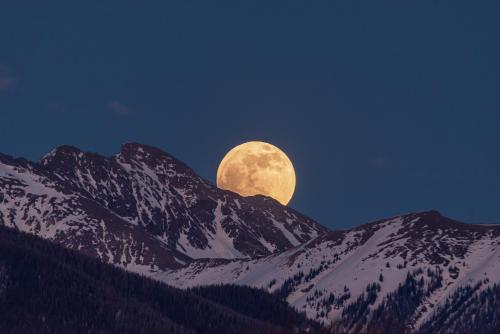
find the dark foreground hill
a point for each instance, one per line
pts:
(45, 288)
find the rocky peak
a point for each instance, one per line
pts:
(434, 222)
(60, 153)
(152, 157)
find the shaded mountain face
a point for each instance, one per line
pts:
(45, 288)
(141, 209)
(361, 280)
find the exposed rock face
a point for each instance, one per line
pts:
(142, 209)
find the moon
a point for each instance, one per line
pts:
(257, 168)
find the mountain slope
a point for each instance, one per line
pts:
(147, 212)
(141, 209)
(335, 274)
(258, 304)
(469, 310)
(45, 288)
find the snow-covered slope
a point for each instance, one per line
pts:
(331, 272)
(141, 209)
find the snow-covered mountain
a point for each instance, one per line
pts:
(141, 209)
(147, 212)
(350, 278)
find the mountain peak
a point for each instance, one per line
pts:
(151, 156)
(60, 152)
(431, 214)
(134, 148)
(67, 159)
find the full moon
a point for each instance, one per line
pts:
(257, 168)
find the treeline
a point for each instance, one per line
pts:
(45, 288)
(393, 314)
(468, 310)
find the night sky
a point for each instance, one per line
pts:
(385, 107)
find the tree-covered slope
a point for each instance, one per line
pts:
(45, 288)
(256, 303)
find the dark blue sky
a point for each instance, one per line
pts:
(385, 107)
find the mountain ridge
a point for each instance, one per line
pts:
(141, 208)
(326, 276)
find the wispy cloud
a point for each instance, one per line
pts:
(119, 108)
(7, 80)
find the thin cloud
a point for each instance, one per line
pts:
(7, 80)
(118, 108)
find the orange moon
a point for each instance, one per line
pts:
(257, 168)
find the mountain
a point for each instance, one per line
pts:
(45, 288)
(141, 209)
(412, 266)
(147, 212)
